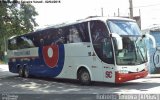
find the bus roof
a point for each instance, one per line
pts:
(86, 20)
(90, 18)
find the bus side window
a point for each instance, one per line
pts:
(12, 44)
(39, 38)
(27, 42)
(83, 32)
(60, 39)
(21, 43)
(35, 39)
(52, 34)
(41, 42)
(46, 37)
(66, 34)
(74, 35)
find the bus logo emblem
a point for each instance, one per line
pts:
(50, 55)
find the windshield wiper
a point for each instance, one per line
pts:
(141, 53)
(140, 50)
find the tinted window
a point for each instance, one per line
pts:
(60, 38)
(77, 33)
(101, 41)
(20, 42)
(68, 34)
(74, 35)
(83, 31)
(12, 44)
(24, 42)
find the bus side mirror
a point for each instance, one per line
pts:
(152, 38)
(118, 40)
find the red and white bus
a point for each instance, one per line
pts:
(93, 49)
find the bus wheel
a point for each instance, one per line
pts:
(20, 71)
(84, 77)
(26, 72)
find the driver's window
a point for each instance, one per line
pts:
(101, 41)
(98, 31)
(107, 51)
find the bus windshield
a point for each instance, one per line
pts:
(133, 53)
(124, 27)
(134, 49)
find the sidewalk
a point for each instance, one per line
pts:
(153, 75)
(4, 67)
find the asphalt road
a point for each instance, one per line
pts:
(13, 87)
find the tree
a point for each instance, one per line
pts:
(15, 19)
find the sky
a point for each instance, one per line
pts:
(71, 10)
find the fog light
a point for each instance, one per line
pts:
(119, 78)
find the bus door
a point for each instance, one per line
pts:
(108, 60)
(103, 48)
(108, 72)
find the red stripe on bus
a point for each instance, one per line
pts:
(124, 77)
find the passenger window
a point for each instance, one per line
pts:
(60, 39)
(77, 33)
(12, 44)
(74, 35)
(83, 30)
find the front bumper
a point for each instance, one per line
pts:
(124, 77)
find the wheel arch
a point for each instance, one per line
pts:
(25, 65)
(18, 66)
(86, 68)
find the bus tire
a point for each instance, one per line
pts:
(26, 72)
(84, 77)
(20, 71)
